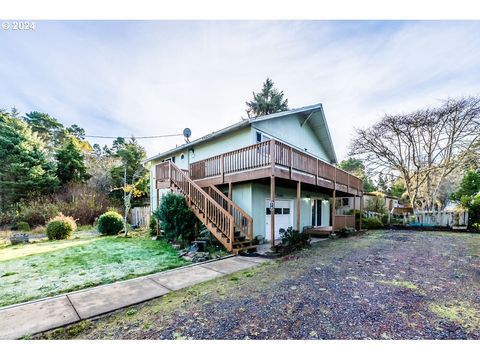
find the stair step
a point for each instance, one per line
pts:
(240, 238)
(244, 249)
(242, 243)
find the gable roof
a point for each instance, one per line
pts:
(312, 114)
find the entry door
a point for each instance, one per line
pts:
(283, 217)
(320, 212)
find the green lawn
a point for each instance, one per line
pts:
(47, 268)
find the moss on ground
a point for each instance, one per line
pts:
(460, 313)
(404, 284)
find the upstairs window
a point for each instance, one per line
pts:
(261, 137)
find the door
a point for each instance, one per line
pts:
(320, 212)
(283, 217)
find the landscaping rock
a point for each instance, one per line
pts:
(200, 256)
(19, 239)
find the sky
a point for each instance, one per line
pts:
(144, 78)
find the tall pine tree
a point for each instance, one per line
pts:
(268, 101)
(71, 162)
(26, 170)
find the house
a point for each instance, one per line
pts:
(346, 205)
(259, 175)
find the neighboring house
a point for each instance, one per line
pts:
(346, 205)
(259, 175)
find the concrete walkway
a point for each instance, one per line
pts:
(46, 314)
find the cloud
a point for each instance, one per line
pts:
(157, 77)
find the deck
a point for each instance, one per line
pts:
(268, 161)
(271, 158)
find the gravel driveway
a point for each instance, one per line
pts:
(382, 285)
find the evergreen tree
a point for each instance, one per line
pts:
(357, 168)
(26, 170)
(71, 162)
(469, 196)
(268, 101)
(47, 128)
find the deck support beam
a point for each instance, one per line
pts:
(361, 211)
(355, 211)
(272, 209)
(334, 211)
(230, 196)
(299, 193)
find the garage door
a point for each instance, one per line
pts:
(283, 217)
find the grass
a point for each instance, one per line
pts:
(48, 268)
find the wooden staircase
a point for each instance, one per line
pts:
(220, 215)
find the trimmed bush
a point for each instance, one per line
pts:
(292, 240)
(110, 223)
(371, 223)
(153, 226)
(61, 227)
(21, 226)
(176, 219)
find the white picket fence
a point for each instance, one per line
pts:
(140, 216)
(441, 218)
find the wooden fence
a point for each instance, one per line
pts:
(140, 216)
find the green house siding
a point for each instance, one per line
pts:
(261, 192)
(228, 142)
(290, 130)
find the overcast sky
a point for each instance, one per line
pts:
(120, 78)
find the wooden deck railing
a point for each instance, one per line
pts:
(243, 221)
(344, 221)
(195, 195)
(274, 153)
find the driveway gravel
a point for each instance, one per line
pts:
(380, 285)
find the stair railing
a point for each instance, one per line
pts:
(212, 210)
(243, 221)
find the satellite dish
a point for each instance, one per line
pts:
(187, 133)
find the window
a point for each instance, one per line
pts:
(278, 211)
(345, 201)
(262, 137)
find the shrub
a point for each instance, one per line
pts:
(61, 227)
(153, 226)
(476, 227)
(110, 223)
(385, 219)
(21, 226)
(82, 202)
(292, 240)
(37, 212)
(175, 217)
(371, 223)
(345, 232)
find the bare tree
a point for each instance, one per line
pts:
(130, 189)
(423, 147)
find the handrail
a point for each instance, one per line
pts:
(242, 220)
(269, 153)
(194, 194)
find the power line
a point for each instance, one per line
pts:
(136, 137)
